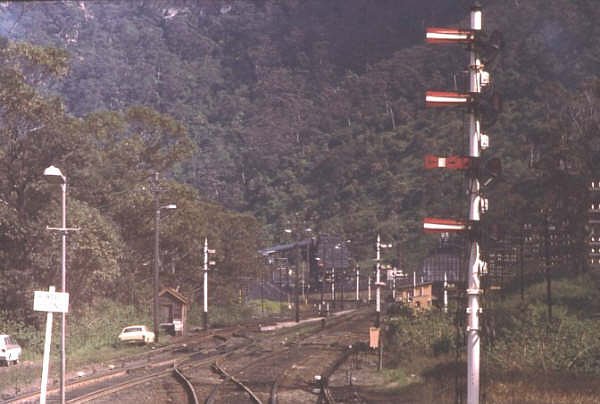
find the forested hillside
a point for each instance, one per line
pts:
(284, 109)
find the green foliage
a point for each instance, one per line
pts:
(108, 158)
(234, 313)
(516, 335)
(98, 325)
(272, 109)
(527, 342)
(523, 339)
(225, 315)
(410, 336)
(28, 336)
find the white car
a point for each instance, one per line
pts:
(136, 333)
(9, 350)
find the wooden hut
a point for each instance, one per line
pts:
(173, 308)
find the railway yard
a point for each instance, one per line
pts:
(315, 361)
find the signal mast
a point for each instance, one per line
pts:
(478, 174)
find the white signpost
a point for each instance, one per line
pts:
(50, 302)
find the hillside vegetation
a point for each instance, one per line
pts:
(525, 357)
(316, 109)
(261, 113)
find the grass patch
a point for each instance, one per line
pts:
(397, 378)
(525, 358)
(91, 338)
(230, 314)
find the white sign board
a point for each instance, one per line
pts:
(51, 301)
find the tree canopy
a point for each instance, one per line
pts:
(276, 109)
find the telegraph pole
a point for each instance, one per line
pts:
(377, 282)
(155, 190)
(297, 280)
(333, 286)
(357, 285)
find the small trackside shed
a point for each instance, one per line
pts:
(173, 308)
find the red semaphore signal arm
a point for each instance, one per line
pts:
(435, 225)
(450, 162)
(446, 98)
(449, 35)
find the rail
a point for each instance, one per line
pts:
(211, 397)
(193, 397)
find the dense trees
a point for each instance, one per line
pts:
(281, 108)
(109, 158)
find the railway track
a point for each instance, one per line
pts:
(243, 366)
(282, 367)
(132, 371)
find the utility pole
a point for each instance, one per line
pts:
(322, 279)
(297, 280)
(414, 288)
(378, 282)
(333, 286)
(547, 265)
(157, 208)
(357, 285)
(155, 191)
(394, 285)
(342, 288)
(521, 262)
(54, 174)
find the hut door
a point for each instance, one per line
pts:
(166, 313)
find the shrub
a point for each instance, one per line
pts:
(525, 340)
(30, 338)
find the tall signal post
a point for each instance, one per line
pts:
(207, 263)
(378, 282)
(475, 263)
(478, 175)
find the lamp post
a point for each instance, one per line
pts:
(157, 208)
(297, 273)
(55, 173)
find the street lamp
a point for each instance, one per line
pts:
(158, 208)
(55, 174)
